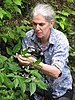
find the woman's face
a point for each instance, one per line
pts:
(41, 26)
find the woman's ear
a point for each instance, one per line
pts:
(52, 23)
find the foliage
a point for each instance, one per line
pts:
(14, 79)
(16, 82)
(65, 16)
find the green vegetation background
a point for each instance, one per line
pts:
(15, 20)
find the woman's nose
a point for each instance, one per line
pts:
(37, 27)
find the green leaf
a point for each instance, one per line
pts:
(32, 88)
(35, 73)
(37, 62)
(72, 54)
(18, 2)
(2, 12)
(1, 64)
(7, 82)
(11, 75)
(11, 35)
(8, 2)
(72, 12)
(61, 25)
(4, 38)
(1, 15)
(63, 18)
(16, 82)
(73, 68)
(8, 14)
(42, 85)
(24, 52)
(3, 58)
(22, 33)
(27, 70)
(63, 13)
(28, 80)
(17, 9)
(22, 85)
(1, 23)
(14, 67)
(1, 78)
(70, 1)
(9, 51)
(17, 47)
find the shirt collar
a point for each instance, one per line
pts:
(52, 36)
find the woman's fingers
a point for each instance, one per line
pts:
(24, 61)
(22, 58)
(27, 54)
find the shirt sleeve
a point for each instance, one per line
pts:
(24, 43)
(27, 39)
(61, 53)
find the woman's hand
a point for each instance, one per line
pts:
(25, 60)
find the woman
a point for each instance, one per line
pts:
(55, 48)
